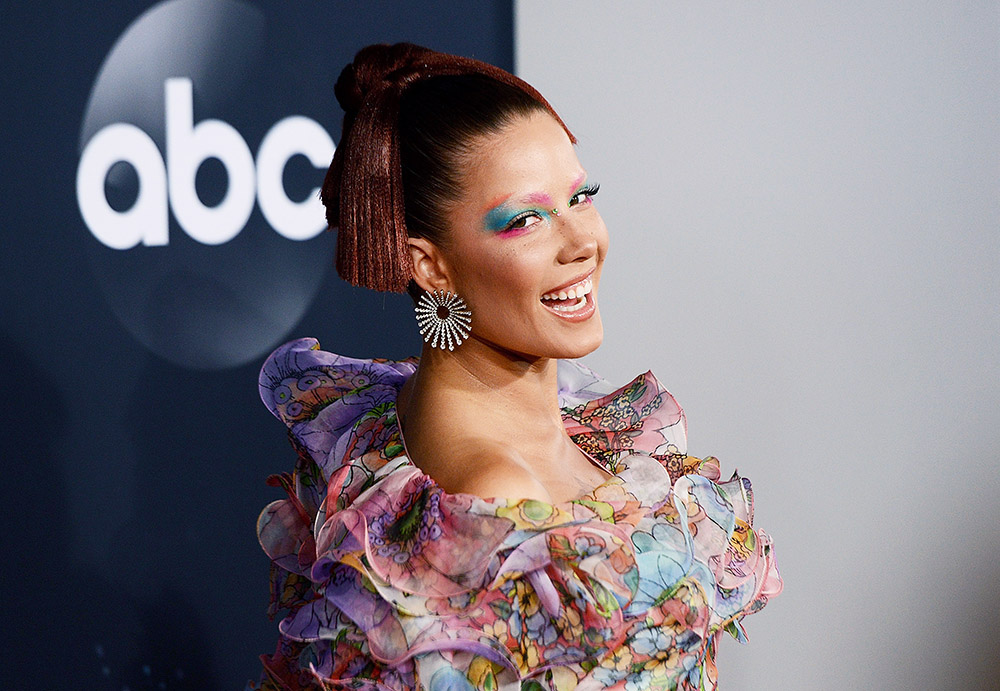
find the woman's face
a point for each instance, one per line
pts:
(526, 243)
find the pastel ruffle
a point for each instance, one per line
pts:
(390, 582)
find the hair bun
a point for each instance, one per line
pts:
(376, 67)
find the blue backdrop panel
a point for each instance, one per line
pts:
(159, 161)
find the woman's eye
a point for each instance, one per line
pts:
(524, 221)
(584, 195)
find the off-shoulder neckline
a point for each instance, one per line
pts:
(610, 475)
(579, 388)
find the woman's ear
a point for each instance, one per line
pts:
(430, 271)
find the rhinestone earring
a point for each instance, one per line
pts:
(444, 319)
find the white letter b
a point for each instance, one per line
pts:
(187, 147)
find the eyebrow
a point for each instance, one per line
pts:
(531, 198)
(534, 198)
(538, 198)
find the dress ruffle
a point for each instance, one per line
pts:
(391, 582)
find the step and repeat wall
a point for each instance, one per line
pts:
(161, 235)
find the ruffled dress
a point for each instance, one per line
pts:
(389, 582)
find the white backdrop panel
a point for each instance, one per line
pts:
(805, 223)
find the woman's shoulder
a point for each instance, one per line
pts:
(487, 468)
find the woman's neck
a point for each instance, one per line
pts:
(488, 379)
(472, 415)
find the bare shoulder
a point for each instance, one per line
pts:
(490, 470)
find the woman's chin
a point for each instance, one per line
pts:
(564, 341)
(586, 343)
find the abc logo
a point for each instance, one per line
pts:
(197, 182)
(188, 145)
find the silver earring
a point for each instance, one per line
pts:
(444, 319)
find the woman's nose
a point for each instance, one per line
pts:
(579, 238)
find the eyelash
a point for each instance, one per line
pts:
(512, 229)
(590, 191)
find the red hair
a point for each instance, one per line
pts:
(364, 188)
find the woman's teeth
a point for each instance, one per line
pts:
(578, 291)
(571, 308)
(576, 297)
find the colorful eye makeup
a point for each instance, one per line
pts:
(513, 218)
(506, 221)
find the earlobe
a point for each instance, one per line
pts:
(430, 271)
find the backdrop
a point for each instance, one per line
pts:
(804, 210)
(139, 300)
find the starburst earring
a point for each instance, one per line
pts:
(444, 319)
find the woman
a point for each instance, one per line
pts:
(535, 528)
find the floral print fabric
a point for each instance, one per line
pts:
(389, 582)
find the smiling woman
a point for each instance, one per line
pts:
(535, 527)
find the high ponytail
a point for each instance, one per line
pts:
(410, 114)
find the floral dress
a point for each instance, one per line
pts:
(389, 582)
